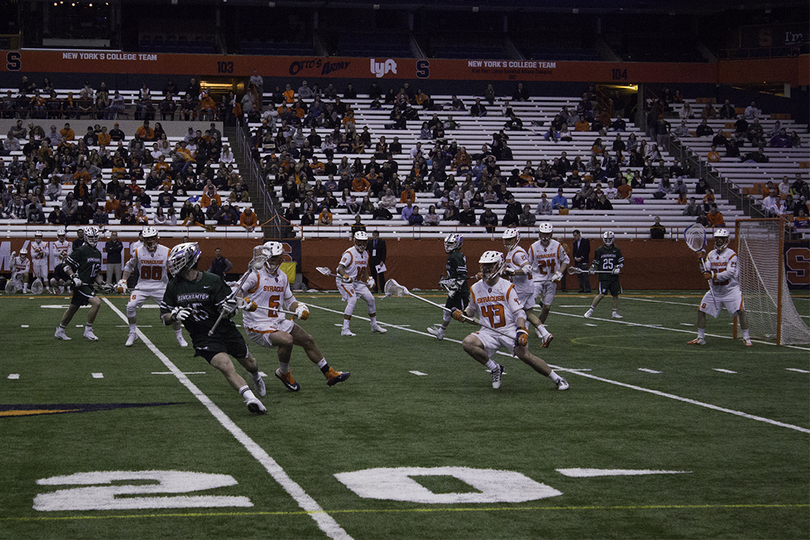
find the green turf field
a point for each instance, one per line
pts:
(654, 439)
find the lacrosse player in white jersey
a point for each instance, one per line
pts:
(721, 270)
(262, 295)
(549, 261)
(149, 262)
(495, 301)
(60, 249)
(353, 282)
(40, 255)
(20, 268)
(518, 270)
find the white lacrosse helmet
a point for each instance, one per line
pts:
(453, 242)
(511, 237)
(38, 234)
(608, 237)
(360, 240)
(150, 238)
(273, 256)
(91, 234)
(23, 253)
(546, 230)
(491, 264)
(721, 238)
(183, 256)
(60, 233)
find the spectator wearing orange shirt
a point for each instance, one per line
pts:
(289, 94)
(210, 194)
(248, 219)
(145, 132)
(360, 184)
(715, 217)
(67, 133)
(208, 108)
(624, 190)
(325, 217)
(408, 195)
(104, 137)
(714, 155)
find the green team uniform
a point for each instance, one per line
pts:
(605, 259)
(86, 263)
(457, 270)
(204, 297)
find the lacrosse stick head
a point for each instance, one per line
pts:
(695, 237)
(11, 286)
(324, 270)
(392, 288)
(37, 287)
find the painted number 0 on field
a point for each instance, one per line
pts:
(492, 486)
(106, 497)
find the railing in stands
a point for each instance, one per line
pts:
(263, 203)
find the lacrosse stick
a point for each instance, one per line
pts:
(695, 237)
(392, 288)
(327, 271)
(575, 270)
(255, 263)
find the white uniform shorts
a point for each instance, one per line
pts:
(262, 337)
(545, 291)
(526, 293)
(493, 341)
(714, 302)
(350, 292)
(139, 298)
(41, 268)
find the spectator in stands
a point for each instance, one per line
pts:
(489, 220)
(708, 112)
(795, 140)
(772, 203)
(756, 157)
(432, 218)
(686, 112)
(727, 111)
(692, 209)
(704, 130)
(478, 108)
(415, 219)
(780, 140)
(715, 218)
(657, 231)
(67, 133)
(714, 155)
(756, 133)
(559, 201)
(751, 112)
(248, 219)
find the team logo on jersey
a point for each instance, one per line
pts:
(9, 411)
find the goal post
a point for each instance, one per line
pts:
(771, 312)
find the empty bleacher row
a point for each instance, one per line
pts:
(631, 217)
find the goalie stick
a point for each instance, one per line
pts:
(695, 237)
(392, 288)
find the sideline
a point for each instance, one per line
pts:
(325, 522)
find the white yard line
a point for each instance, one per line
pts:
(326, 523)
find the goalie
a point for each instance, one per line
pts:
(263, 295)
(720, 269)
(501, 315)
(455, 282)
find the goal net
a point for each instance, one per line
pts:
(768, 304)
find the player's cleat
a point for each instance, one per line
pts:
(437, 331)
(697, 341)
(48, 289)
(562, 384)
(131, 338)
(60, 334)
(496, 376)
(616, 315)
(378, 329)
(547, 341)
(588, 313)
(747, 342)
(255, 406)
(258, 385)
(88, 333)
(288, 380)
(347, 332)
(183, 343)
(539, 333)
(333, 376)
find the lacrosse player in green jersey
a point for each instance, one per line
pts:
(455, 282)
